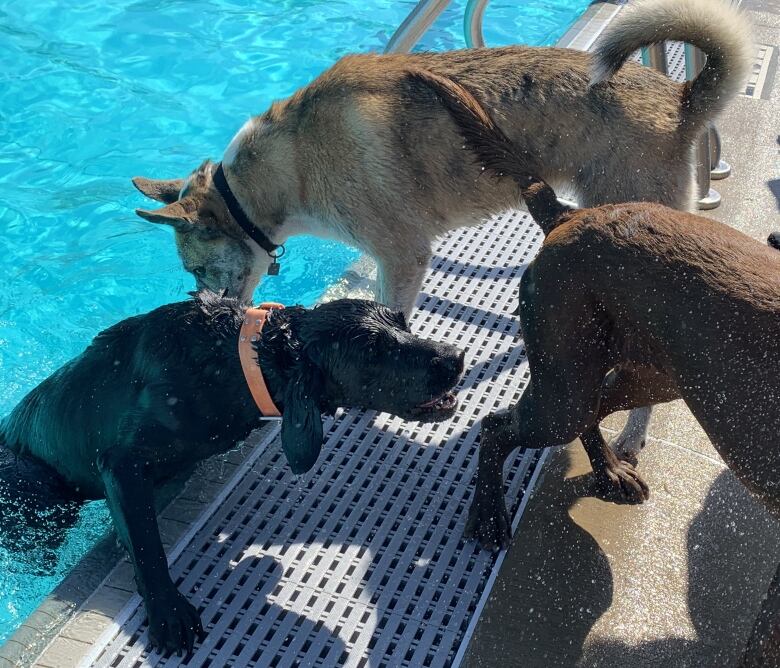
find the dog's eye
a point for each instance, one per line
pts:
(199, 273)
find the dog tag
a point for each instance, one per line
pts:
(273, 269)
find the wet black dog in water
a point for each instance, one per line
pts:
(155, 394)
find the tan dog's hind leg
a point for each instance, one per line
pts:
(636, 388)
(629, 442)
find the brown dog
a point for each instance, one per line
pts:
(628, 305)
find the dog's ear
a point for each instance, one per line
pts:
(163, 190)
(174, 215)
(302, 421)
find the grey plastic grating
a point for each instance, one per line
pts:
(362, 562)
(675, 60)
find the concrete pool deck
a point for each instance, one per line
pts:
(676, 581)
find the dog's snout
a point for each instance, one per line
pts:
(451, 363)
(461, 361)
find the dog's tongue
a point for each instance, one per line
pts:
(431, 403)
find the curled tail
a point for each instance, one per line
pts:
(719, 30)
(492, 147)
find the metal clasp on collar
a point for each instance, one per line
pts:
(273, 269)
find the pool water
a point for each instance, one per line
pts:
(93, 93)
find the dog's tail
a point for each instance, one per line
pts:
(493, 148)
(711, 25)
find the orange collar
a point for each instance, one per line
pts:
(254, 319)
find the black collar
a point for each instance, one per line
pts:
(254, 233)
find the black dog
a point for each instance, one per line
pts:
(155, 394)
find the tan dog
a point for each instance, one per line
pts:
(367, 155)
(628, 305)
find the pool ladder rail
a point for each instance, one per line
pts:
(709, 165)
(425, 12)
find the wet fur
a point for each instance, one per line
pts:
(367, 154)
(155, 394)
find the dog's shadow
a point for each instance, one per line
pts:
(774, 188)
(449, 266)
(266, 587)
(732, 553)
(505, 323)
(774, 184)
(556, 581)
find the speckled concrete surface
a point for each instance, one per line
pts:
(678, 580)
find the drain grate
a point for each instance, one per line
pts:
(363, 562)
(759, 84)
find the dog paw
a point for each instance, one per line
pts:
(488, 522)
(627, 449)
(621, 482)
(174, 624)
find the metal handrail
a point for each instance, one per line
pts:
(415, 25)
(706, 153)
(425, 12)
(472, 23)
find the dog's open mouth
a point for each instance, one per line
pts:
(440, 406)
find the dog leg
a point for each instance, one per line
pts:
(616, 479)
(629, 442)
(536, 421)
(37, 508)
(173, 621)
(763, 648)
(488, 520)
(399, 279)
(636, 388)
(567, 353)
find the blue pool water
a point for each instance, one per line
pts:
(95, 92)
